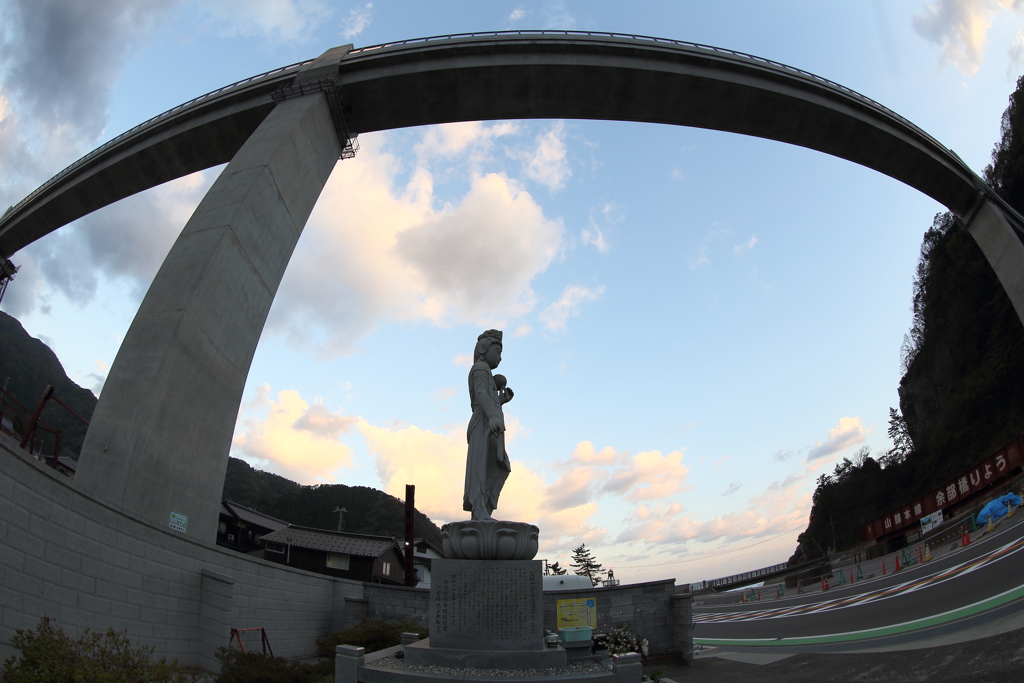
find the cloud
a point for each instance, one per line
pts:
(1015, 52)
(374, 250)
(568, 305)
(357, 21)
(773, 511)
(278, 20)
(594, 233)
(557, 16)
(547, 162)
(745, 246)
(436, 463)
(320, 421)
(585, 453)
(781, 455)
(849, 432)
(463, 360)
(443, 394)
(650, 476)
(960, 29)
(293, 438)
(517, 14)
(733, 488)
(127, 240)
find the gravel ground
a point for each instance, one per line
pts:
(572, 669)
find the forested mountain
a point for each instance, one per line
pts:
(963, 360)
(369, 511)
(27, 365)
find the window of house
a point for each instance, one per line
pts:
(275, 547)
(386, 568)
(222, 527)
(337, 560)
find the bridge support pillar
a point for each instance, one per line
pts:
(159, 438)
(1002, 247)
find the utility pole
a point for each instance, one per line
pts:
(341, 516)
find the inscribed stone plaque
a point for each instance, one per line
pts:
(486, 605)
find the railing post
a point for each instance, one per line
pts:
(34, 420)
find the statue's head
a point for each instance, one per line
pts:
(484, 342)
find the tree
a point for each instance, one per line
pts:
(902, 446)
(584, 564)
(556, 570)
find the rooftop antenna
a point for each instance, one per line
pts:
(341, 516)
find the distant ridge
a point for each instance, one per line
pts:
(27, 365)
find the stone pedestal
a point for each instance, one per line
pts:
(486, 614)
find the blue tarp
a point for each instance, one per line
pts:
(997, 508)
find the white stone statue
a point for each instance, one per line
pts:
(487, 464)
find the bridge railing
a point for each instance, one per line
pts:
(667, 41)
(115, 140)
(746, 576)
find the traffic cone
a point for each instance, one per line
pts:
(824, 584)
(798, 590)
(927, 553)
(965, 540)
(851, 574)
(1009, 509)
(743, 597)
(759, 596)
(920, 555)
(883, 566)
(897, 558)
(991, 526)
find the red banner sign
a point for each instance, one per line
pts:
(972, 481)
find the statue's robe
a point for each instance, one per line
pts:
(487, 464)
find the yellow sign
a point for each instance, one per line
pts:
(577, 612)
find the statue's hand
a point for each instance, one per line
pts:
(497, 426)
(507, 395)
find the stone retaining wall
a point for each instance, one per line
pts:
(90, 564)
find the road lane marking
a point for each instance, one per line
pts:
(942, 576)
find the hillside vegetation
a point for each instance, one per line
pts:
(960, 395)
(27, 365)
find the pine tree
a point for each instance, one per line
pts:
(556, 570)
(583, 564)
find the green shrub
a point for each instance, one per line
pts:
(256, 667)
(371, 634)
(48, 655)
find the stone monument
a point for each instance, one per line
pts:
(486, 609)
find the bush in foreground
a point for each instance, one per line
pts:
(256, 667)
(48, 655)
(371, 634)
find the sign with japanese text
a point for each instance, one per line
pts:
(577, 613)
(974, 480)
(178, 522)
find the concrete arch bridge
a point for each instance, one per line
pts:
(161, 432)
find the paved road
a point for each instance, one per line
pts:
(966, 583)
(959, 617)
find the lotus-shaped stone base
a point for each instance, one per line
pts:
(491, 540)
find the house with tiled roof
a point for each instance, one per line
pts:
(360, 557)
(240, 528)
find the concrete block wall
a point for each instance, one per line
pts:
(397, 602)
(646, 607)
(91, 565)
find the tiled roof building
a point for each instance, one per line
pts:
(360, 557)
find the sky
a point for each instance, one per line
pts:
(697, 324)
